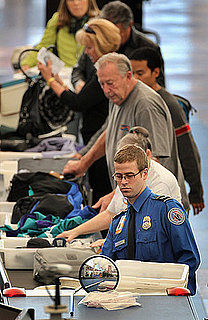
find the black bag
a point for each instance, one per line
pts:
(41, 110)
(44, 193)
(57, 205)
(38, 183)
(13, 141)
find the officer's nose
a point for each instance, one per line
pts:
(123, 180)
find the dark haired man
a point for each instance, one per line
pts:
(146, 65)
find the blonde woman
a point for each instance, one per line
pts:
(61, 29)
(99, 36)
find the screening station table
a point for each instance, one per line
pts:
(152, 308)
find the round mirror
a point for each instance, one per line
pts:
(98, 273)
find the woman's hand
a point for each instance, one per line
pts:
(80, 84)
(46, 71)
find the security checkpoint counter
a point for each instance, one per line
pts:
(153, 307)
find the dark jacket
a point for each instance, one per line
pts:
(84, 68)
(93, 104)
(187, 148)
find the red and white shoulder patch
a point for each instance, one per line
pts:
(176, 216)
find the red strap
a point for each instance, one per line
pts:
(182, 130)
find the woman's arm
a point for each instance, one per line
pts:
(89, 97)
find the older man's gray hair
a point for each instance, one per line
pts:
(122, 63)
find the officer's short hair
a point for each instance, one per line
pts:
(130, 153)
(138, 136)
(118, 13)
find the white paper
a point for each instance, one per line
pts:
(44, 55)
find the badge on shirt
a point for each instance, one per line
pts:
(146, 223)
(120, 224)
(176, 216)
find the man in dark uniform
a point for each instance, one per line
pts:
(153, 228)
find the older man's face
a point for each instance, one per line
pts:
(115, 87)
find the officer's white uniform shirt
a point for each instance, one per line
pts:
(160, 180)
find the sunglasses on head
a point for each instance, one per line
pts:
(88, 29)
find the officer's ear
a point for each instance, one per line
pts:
(145, 173)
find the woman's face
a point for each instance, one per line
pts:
(91, 52)
(77, 8)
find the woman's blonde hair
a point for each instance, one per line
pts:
(65, 16)
(105, 36)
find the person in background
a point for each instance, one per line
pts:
(160, 181)
(99, 36)
(121, 15)
(61, 29)
(153, 228)
(146, 65)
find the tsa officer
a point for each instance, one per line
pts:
(153, 228)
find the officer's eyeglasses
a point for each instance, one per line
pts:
(127, 176)
(88, 29)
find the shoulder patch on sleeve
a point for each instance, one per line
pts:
(119, 214)
(176, 216)
(163, 198)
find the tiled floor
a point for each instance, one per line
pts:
(183, 26)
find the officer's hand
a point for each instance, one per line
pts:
(103, 202)
(198, 207)
(68, 235)
(97, 244)
(74, 167)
